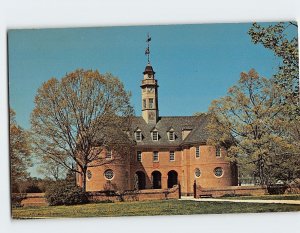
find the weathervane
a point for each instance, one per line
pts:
(147, 52)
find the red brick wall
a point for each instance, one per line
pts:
(185, 164)
(141, 195)
(232, 190)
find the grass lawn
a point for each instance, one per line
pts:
(267, 197)
(148, 208)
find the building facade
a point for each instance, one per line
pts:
(168, 150)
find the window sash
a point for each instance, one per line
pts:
(155, 156)
(198, 152)
(138, 136)
(139, 156)
(172, 156)
(151, 103)
(155, 136)
(171, 136)
(218, 152)
(108, 154)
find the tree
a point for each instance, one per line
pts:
(249, 122)
(19, 151)
(283, 41)
(51, 169)
(285, 46)
(77, 117)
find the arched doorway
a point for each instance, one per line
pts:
(156, 180)
(172, 178)
(141, 180)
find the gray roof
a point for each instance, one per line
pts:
(196, 124)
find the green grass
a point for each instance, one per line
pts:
(267, 197)
(148, 208)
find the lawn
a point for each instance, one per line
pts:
(148, 208)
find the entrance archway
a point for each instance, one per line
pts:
(156, 180)
(172, 178)
(141, 180)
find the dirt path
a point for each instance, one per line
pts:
(292, 202)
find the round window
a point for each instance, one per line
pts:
(109, 174)
(197, 172)
(89, 174)
(218, 171)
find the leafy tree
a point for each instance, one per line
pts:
(77, 117)
(19, 151)
(249, 122)
(278, 39)
(282, 39)
(51, 169)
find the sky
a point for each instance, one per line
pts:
(194, 64)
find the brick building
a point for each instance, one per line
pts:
(168, 150)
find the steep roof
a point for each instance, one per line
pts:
(196, 124)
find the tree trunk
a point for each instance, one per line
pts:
(84, 178)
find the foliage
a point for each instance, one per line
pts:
(276, 38)
(51, 169)
(86, 112)
(19, 151)
(149, 208)
(16, 199)
(62, 193)
(33, 189)
(259, 119)
(245, 117)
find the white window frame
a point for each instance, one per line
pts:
(173, 134)
(172, 154)
(108, 154)
(155, 132)
(197, 152)
(155, 153)
(138, 132)
(218, 152)
(139, 156)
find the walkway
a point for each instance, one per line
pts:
(292, 202)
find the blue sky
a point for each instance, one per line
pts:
(194, 64)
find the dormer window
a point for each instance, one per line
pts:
(138, 135)
(171, 134)
(155, 136)
(218, 152)
(108, 154)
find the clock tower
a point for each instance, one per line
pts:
(149, 92)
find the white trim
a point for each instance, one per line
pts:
(155, 161)
(173, 156)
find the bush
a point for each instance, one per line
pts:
(62, 193)
(276, 189)
(33, 189)
(16, 199)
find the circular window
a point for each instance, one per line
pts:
(197, 172)
(218, 171)
(109, 174)
(89, 174)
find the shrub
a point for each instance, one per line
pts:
(16, 199)
(62, 193)
(276, 189)
(33, 189)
